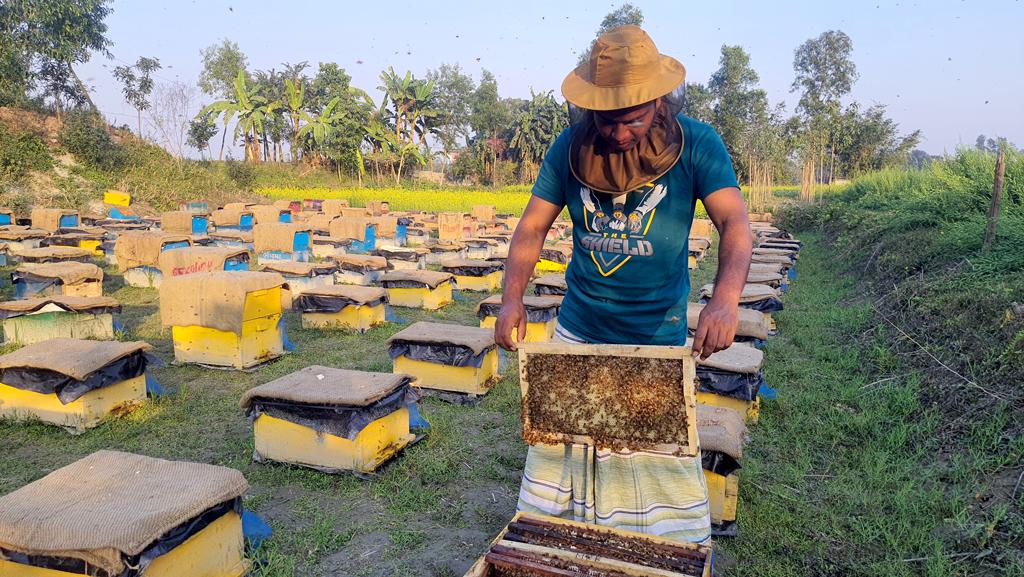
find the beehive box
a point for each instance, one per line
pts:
(269, 213)
(76, 388)
(358, 231)
(303, 276)
(53, 219)
(633, 397)
(420, 289)
(441, 251)
(21, 237)
(185, 222)
(542, 546)
(52, 279)
(196, 259)
(722, 434)
(99, 515)
(225, 319)
(85, 239)
(443, 357)
(360, 269)
(138, 255)
(282, 241)
(353, 307)
(553, 259)
(541, 316)
(35, 320)
(731, 378)
(332, 420)
(404, 258)
(45, 254)
(450, 225)
(238, 219)
(550, 284)
(474, 275)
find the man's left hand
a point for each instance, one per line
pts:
(716, 328)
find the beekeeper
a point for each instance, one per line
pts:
(630, 170)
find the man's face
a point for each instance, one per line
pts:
(622, 129)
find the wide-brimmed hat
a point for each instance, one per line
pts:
(625, 69)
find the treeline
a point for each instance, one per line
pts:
(442, 119)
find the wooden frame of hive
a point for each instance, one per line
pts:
(704, 554)
(88, 409)
(277, 438)
(469, 380)
(684, 435)
(723, 498)
(216, 550)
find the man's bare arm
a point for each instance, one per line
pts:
(523, 254)
(716, 326)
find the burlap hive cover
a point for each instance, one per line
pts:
(355, 293)
(317, 385)
(349, 227)
(738, 358)
(476, 339)
(529, 302)
(751, 292)
(484, 212)
(767, 267)
(49, 218)
(111, 504)
(699, 244)
(361, 261)
(355, 212)
(321, 222)
(179, 261)
(17, 233)
(552, 280)
(266, 213)
(756, 277)
(76, 358)
(283, 203)
(214, 300)
(278, 236)
(68, 273)
(386, 226)
(772, 258)
(429, 278)
(307, 269)
(178, 221)
(142, 248)
(701, 228)
(227, 217)
(239, 205)
(751, 323)
(74, 304)
(402, 252)
(467, 263)
(333, 206)
(55, 252)
(777, 251)
(721, 429)
(233, 235)
(445, 245)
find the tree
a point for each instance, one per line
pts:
(488, 117)
(42, 40)
(535, 129)
(451, 97)
(622, 16)
(736, 103)
(252, 111)
(221, 65)
(170, 118)
(349, 129)
(138, 84)
(201, 131)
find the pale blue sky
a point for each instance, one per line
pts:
(953, 68)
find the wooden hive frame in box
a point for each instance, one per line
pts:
(535, 545)
(648, 410)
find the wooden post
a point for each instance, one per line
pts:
(997, 194)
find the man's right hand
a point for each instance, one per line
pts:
(510, 328)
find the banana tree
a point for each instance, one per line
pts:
(295, 96)
(254, 111)
(322, 126)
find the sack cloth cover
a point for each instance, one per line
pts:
(214, 300)
(335, 401)
(361, 263)
(734, 372)
(111, 505)
(70, 368)
(53, 253)
(386, 226)
(278, 236)
(49, 218)
(348, 227)
(74, 304)
(178, 221)
(179, 261)
(142, 248)
(66, 272)
(18, 233)
(752, 323)
(334, 298)
(552, 280)
(454, 345)
(539, 309)
(720, 429)
(415, 279)
(235, 235)
(306, 269)
(321, 222)
(266, 213)
(228, 217)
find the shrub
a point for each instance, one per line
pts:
(20, 153)
(85, 136)
(242, 173)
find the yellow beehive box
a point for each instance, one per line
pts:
(35, 320)
(72, 383)
(360, 269)
(57, 278)
(420, 289)
(331, 419)
(225, 319)
(722, 434)
(731, 378)
(101, 513)
(117, 198)
(474, 275)
(541, 545)
(646, 403)
(85, 239)
(352, 307)
(553, 259)
(541, 316)
(445, 357)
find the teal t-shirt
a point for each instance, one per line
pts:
(628, 280)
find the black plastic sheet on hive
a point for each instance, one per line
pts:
(337, 420)
(440, 353)
(718, 462)
(474, 270)
(69, 389)
(533, 315)
(546, 290)
(768, 305)
(310, 303)
(410, 283)
(742, 386)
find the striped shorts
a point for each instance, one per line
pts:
(648, 492)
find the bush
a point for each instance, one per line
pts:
(241, 173)
(85, 136)
(20, 153)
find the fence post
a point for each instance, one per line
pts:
(997, 194)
